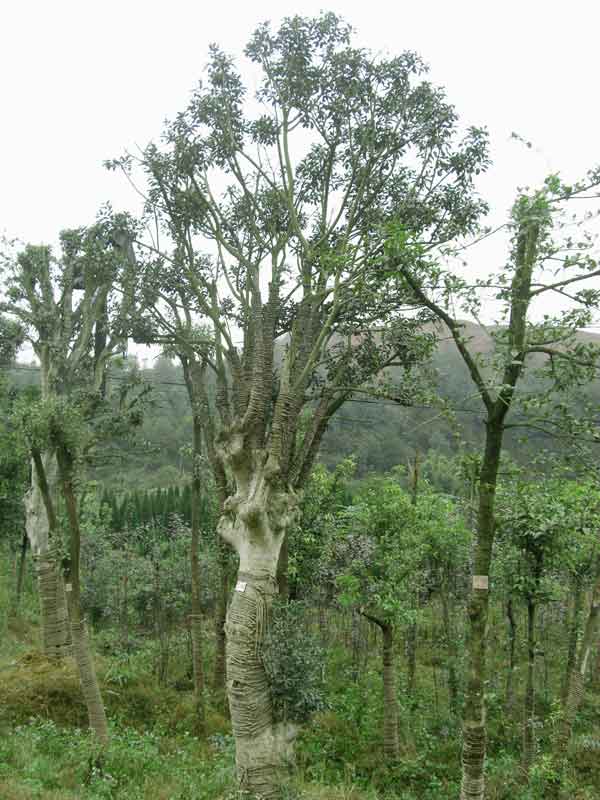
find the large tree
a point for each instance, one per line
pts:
(271, 209)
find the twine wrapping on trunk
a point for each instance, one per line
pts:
(247, 624)
(55, 622)
(473, 781)
(89, 682)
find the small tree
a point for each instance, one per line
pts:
(383, 549)
(540, 242)
(75, 312)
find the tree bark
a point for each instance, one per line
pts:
(81, 644)
(220, 663)
(411, 657)
(529, 711)
(255, 523)
(589, 643)
(512, 639)
(391, 742)
(196, 615)
(54, 618)
(283, 582)
(474, 725)
(573, 635)
(451, 654)
(20, 572)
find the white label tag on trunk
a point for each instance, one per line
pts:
(68, 587)
(480, 582)
(240, 586)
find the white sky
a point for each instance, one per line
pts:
(83, 81)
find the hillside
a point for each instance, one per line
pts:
(380, 434)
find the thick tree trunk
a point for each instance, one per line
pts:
(255, 524)
(56, 631)
(257, 758)
(474, 724)
(529, 711)
(573, 623)
(512, 639)
(89, 681)
(391, 742)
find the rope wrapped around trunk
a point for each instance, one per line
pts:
(473, 782)
(89, 682)
(56, 631)
(247, 624)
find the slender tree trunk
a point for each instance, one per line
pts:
(355, 640)
(411, 634)
(529, 715)
(411, 657)
(283, 582)
(22, 560)
(451, 653)
(474, 726)
(220, 664)
(596, 671)
(512, 639)
(125, 611)
(196, 615)
(160, 628)
(391, 743)
(573, 624)
(589, 643)
(81, 644)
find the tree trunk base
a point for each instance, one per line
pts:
(473, 758)
(89, 682)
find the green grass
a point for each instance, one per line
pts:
(47, 753)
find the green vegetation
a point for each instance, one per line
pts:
(338, 542)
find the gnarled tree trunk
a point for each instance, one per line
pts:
(254, 522)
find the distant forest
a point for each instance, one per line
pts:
(379, 434)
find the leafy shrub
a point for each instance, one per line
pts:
(293, 660)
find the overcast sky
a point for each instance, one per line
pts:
(83, 81)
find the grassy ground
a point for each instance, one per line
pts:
(155, 752)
